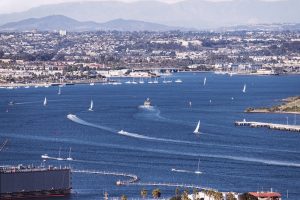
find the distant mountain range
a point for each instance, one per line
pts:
(197, 14)
(60, 22)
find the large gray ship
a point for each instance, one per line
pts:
(27, 182)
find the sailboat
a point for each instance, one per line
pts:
(204, 81)
(59, 91)
(141, 81)
(198, 169)
(45, 101)
(70, 158)
(59, 158)
(244, 89)
(155, 81)
(197, 128)
(91, 106)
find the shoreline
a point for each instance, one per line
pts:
(289, 105)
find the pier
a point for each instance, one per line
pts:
(132, 178)
(282, 127)
(181, 185)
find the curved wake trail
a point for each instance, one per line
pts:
(75, 119)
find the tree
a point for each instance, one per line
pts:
(195, 192)
(177, 192)
(144, 193)
(123, 197)
(156, 193)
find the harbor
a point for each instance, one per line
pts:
(281, 127)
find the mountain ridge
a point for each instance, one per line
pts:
(61, 22)
(197, 14)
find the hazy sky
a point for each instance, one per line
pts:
(8, 6)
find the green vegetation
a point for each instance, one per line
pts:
(291, 104)
(144, 193)
(156, 193)
(123, 197)
(230, 196)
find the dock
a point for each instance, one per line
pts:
(281, 127)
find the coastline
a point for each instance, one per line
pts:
(289, 105)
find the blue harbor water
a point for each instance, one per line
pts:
(160, 139)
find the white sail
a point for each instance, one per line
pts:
(59, 157)
(91, 106)
(197, 127)
(45, 101)
(198, 169)
(244, 89)
(204, 81)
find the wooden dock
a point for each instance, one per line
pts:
(282, 127)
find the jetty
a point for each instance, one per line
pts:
(181, 185)
(282, 127)
(132, 178)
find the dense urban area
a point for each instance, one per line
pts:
(60, 56)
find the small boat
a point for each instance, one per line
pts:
(45, 101)
(141, 81)
(204, 81)
(150, 81)
(133, 81)
(155, 81)
(59, 91)
(119, 182)
(91, 106)
(196, 131)
(147, 103)
(128, 82)
(198, 169)
(11, 103)
(45, 156)
(92, 84)
(190, 103)
(70, 158)
(27, 86)
(178, 81)
(122, 132)
(244, 89)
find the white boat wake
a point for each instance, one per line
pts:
(184, 171)
(75, 119)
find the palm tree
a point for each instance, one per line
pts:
(156, 193)
(230, 196)
(123, 197)
(185, 195)
(218, 196)
(144, 193)
(177, 192)
(195, 192)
